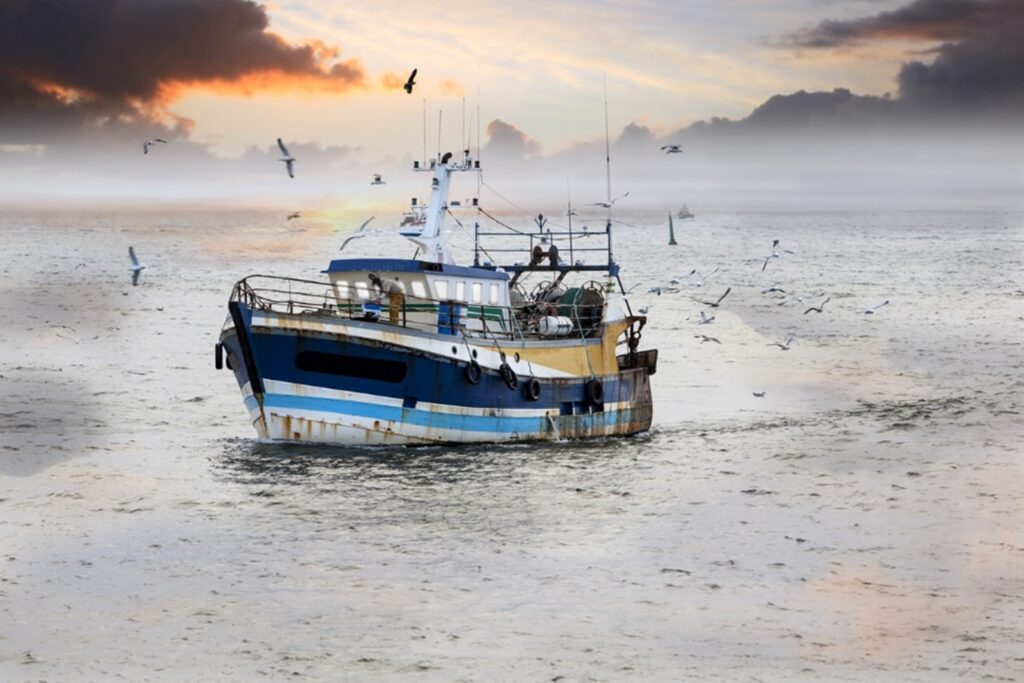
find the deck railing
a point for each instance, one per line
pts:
(272, 293)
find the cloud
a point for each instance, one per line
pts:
(635, 134)
(104, 62)
(979, 65)
(505, 140)
(451, 87)
(947, 20)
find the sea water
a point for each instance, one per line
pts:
(860, 521)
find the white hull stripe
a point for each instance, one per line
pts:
(274, 386)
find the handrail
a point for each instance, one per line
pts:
(325, 302)
(573, 237)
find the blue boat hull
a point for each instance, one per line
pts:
(311, 386)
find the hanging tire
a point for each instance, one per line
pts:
(509, 375)
(532, 389)
(595, 391)
(473, 372)
(218, 355)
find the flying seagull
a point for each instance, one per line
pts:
(784, 347)
(871, 311)
(608, 205)
(773, 288)
(705, 338)
(296, 214)
(758, 394)
(704, 319)
(716, 303)
(148, 143)
(288, 159)
(357, 234)
(137, 267)
(672, 149)
(411, 82)
(702, 278)
(377, 180)
(817, 309)
(776, 252)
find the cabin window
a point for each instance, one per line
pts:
(477, 295)
(442, 289)
(351, 366)
(492, 297)
(361, 291)
(418, 290)
(341, 288)
(460, 291)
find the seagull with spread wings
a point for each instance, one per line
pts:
(359, 233)
(136, 267)
(288, 159)
(784, 347)
(718, 302)
(411, 82)
(871, 311)
(819, 307)
(149, 143)
(610, 204)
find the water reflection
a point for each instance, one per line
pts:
(254, 462)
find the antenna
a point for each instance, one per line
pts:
(479, 179)
(608, 171)
(424, 132)
(439, 112)
(463, 140)
(607, 148)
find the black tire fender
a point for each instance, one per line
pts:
(218, 355)
(595, 391)
(532, 389)
(473, 372)
(509, 375)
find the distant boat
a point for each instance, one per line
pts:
(416, 216)
(684, 213)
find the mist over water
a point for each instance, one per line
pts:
(862, 520)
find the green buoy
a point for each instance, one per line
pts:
(671, 232)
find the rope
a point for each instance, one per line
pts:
(503, 224)
(586, 347)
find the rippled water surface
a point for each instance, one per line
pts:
(861, 521)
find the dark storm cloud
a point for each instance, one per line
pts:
(104, 61)
(921, 19)
(979, 67)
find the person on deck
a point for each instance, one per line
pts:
(393, 290)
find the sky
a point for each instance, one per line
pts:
(770, 99)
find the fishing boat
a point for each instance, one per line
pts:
(415, 216)
(684, 213)
(542, 347)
